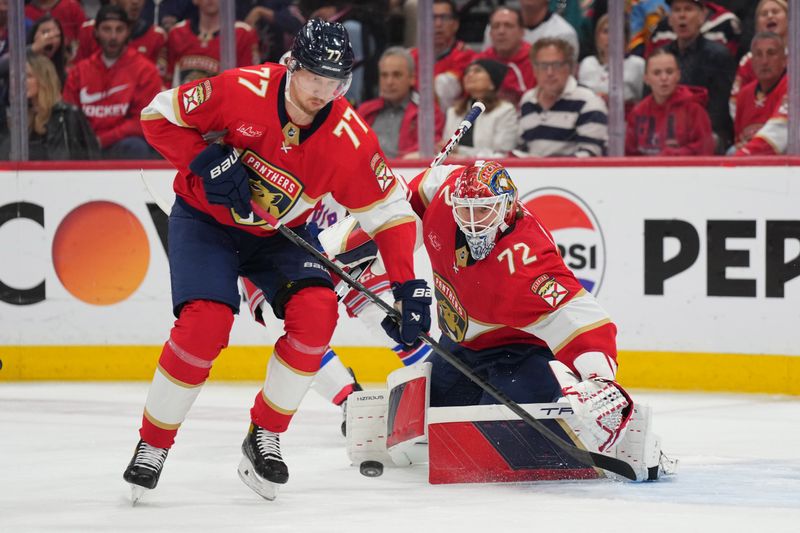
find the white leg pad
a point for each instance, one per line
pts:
(641, 448)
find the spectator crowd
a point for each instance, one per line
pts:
(700, 77)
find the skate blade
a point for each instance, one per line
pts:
(136, 494)
(266, 489)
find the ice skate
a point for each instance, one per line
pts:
(262, 467)
(144, 469)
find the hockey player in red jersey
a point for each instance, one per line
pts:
(193, 45)
(289, 139)
(507, 304)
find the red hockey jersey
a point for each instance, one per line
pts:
(754, 108)
(112, 97)
(680, 126)
(191, 57)
(773, 137)
(744, 75)
(292, 168)
(522, 292)
(150, 41)
(68, 12)
(453, 62)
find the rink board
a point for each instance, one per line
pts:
(697, 265)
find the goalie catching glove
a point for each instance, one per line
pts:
(225, 179)
(413, 301)
(601, 406)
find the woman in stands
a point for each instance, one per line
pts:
(57, 130)
(495, 131)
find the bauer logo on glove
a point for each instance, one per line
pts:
(225, 180)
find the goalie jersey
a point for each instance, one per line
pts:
(521, 293)
(291, 167)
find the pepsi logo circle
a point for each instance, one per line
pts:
(576, 231)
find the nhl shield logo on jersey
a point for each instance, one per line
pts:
(194, 97)
(549, 289)
(273, 189)
(453, 318)
(382, 172)
(576, 231)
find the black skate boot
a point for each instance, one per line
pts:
(262, 467)
(356, 387)
(144, 469)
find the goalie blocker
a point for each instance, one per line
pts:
(484, 443)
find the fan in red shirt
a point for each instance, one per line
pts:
(112, 87)
(451, 55)
(193, 45)
(148, 40)
(509, 48)
(673, 119)
(289, 139)
(68, 12)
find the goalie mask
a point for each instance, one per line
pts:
(484, 203)
(321, 59)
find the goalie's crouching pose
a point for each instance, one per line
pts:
(511, 310)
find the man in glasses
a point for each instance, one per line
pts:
(560, 117)
(288, 139)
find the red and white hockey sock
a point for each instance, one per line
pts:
(296, 358)
(333, 381)
(196, 339)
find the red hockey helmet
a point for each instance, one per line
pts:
(484, 202)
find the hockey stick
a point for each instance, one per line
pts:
(469, 120)
(605, 462)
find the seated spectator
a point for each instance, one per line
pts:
(451, 55)
(112, 86)
(717, 24)
(147, 39)
(772, 16)
(537, 21)
(508, 47)
(495, 131)
(704, 63)
(69, 14)
(593, 70)
(57, 131)
(672, 120)
(276, 22)
(773, 137)
(193, 45)
(394, 114)
(759, 99)
(45, 37)
(559, 117)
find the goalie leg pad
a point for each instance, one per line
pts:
(641, 448)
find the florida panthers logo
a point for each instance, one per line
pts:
(272, 188)
(453, 318)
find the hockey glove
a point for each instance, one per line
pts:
(602, 407)
(413, 300)
(225, 178)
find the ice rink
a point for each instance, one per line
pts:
(63, 447)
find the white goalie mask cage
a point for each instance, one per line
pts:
(484, 203)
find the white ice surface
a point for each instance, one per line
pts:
(63, 447)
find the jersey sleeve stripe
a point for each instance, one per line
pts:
(369, 207)
(165, 105)
(391, 224)
(580, 331)
(566, 322)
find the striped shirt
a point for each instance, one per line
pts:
(576, 125)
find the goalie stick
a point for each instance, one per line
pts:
(612, 464)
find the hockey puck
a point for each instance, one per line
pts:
(371, 468)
